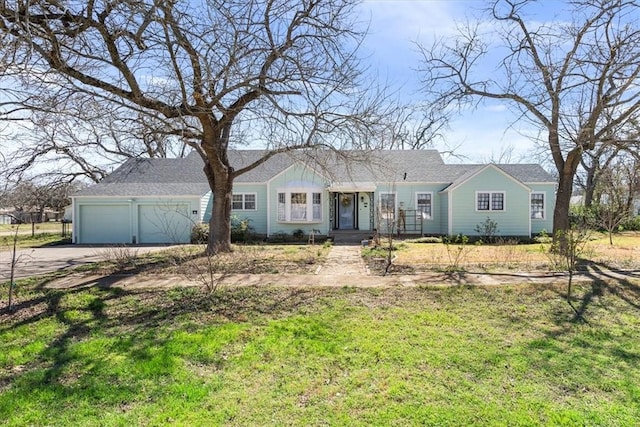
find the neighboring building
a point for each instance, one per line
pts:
(5, 218)
(159, 200)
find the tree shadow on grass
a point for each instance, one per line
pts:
(136, 325)
(618, 282)
(582, 350)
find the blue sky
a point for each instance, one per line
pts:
(395, 26)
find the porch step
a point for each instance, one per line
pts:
(349, 237)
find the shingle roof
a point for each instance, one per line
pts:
(152, 177)
(185, 177)
(527, 172)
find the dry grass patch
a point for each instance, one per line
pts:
(187, 259)
(259, 259)
(417, 257)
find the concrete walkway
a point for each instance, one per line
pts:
(343, 261)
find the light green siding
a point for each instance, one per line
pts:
(257, 218)
(406, 199)
(297, 177)
(515, 220)
(512, 221)
(546, 223)
(444, 213)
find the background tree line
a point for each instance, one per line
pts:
(29, 201)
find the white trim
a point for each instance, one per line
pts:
(352, 187)
(309, 192)
(450, 208)
(244, 201)
(126, 197)
(269, 208)
(491, 193)
(415, 195)
(544, 205)
(530, 215)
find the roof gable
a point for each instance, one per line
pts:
(472, 173)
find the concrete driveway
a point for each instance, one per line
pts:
(36, 261)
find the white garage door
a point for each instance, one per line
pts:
(105, 224)
(164, 224)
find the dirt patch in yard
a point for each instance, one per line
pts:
(151, 281)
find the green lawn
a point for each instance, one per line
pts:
(31, 236)
(282, 356)
(42, 227)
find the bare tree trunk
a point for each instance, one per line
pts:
(563, 201)
(220, 222)
(14, 262)
(590, 186)
(220, 175)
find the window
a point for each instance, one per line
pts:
(243, 202)
(387, 205)
(537, 205)
(486, 201)
(317, 206)
(497, 201)
(423, 205)
(299, 206)
(282, 207)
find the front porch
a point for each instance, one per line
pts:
(351, 210)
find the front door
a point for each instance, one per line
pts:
(346, 211)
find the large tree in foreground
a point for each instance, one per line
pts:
(280, 74)
(575, 78)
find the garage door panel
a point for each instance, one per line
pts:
(164, 224)
(105, 224)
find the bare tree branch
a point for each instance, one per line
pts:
(576, 80)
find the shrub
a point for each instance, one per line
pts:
(631, 224)
(200, 233)
(543, 238)
(582, 217)
(241, 231)
(457, 249)
(487, 230)
(298, 234)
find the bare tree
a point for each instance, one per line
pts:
(591, 165)
(30, 198)
(574, 79)
(612, 150)
(414, 127)
(81, 139)
(617, 186)
(282, 74)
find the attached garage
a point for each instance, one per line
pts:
(104, 223)
(144, 201)
(169, 223)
